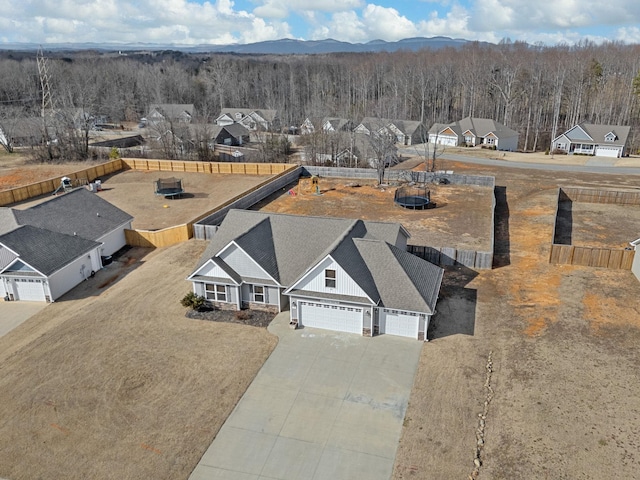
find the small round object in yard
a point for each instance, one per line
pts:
(165, 206)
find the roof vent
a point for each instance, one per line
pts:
(75, 234)
(98, 214)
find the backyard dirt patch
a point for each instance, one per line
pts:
(115, 382)
(461, 219)
(563, 340)
(133, 192)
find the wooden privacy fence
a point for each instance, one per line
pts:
(182, 233)
(612, 258)
(451, 256)
(89, 174)
(597, 195)
(158, 238)
(205, 167)
(601, 257)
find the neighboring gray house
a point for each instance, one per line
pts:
(338, 274)
(591, 139)
(266, 120)
(48, 249)
(337, 124)
(234, 134)
(473, 131)
(170, 112)
(406, 132)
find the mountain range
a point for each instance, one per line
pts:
(286, 46)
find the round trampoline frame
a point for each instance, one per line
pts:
(169, 187)
(412, 197)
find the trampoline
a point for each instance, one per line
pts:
(169, 187)
(415, 198)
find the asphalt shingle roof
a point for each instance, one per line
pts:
(44, 250)
(79, 211)
(287, 246)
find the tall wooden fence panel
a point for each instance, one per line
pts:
(89, 174)
(206, 167)
(598, 195)
(612, 258)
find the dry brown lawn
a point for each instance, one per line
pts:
(462, 217)
(563, 342)
(113, 381)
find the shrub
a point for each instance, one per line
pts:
(558, 151)
(193, 301)
(243, 315)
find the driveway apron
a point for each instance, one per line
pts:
(324, 406)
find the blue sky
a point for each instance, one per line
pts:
(192, 22)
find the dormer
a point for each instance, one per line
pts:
(610, 137)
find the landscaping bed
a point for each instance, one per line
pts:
(254, 318)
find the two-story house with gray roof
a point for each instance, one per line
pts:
(337, 274)
(49, 248)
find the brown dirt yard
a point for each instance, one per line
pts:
(113, 381)
(461, 219)
(563, 341)
(132, 191)
(598, 224)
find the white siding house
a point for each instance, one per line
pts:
(337, 274)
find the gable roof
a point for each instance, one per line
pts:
(403, 280)
(172, 110)
(599, 132)
(480, 127)
(268, 115)
(44, 250)
(286, 246)
(77, 212)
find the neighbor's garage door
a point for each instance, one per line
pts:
(606, 152)
(29, 289)
(393, 322)
(331, 317)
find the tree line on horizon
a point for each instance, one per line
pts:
(538, 91)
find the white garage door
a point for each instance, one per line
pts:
(331, 317)
(29, 289)
(393, 322)
(606, 152)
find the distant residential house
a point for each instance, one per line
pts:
(406, 132)
(337, 124)
(593, 139)
(472, 131)
(310, 125)
(337, 274)
(266, 120)
(170, 112)
(234, 134)
(48, 249)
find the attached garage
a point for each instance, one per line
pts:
(330, 317)
(29, 289)
(607, 151)
(395, 322)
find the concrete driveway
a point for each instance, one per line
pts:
(325, 405)
(13, 314)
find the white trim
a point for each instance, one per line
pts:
(233, 242)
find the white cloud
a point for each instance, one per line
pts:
(628, 34)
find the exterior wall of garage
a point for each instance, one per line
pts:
(114, 241)
(295, 309)
(11, 285)
(79, 270)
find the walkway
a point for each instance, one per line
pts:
(325, 406)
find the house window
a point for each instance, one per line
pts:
(258, 293)
(490, 141)
(330, 278)
(215, 292)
